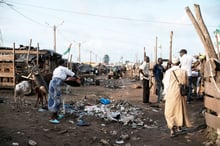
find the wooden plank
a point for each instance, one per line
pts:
(211, 90)
(33, 52)
(204, 30)
(6, 57)
(212, 104)
(7, 75)
(7, 85)
(212, 120)
(211, 53)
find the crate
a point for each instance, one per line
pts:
(7, 69)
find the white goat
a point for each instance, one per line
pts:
(21, 89)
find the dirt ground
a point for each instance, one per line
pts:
(19, 127)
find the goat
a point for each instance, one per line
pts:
(41, 94)
(20, 90)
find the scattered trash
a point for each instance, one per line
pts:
(71, 122)
(62, 132)
(118, 111)
(104, 101)
(154, 110)
(119, 141)
(105, 142)
(41, 110)
(124, 136)
(114, 132)
(46, 130)
(82, 123)
(32, 142)
(15, 144)
(137, 86)
(103, 125)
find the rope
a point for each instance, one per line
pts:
(212, 76)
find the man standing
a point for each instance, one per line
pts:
(175, 111)
(144, 76)
(186, 62)
(158, 71)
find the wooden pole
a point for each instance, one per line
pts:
(217, 46)
(29, 48)
(171, 45)
(204, 30)
(144, 52)
(70, 65)
(90, 57)
(79, 53)
(155, 51)
(210, 52)
(14, 78)
(54, 38)
(38, 54)
(70, 45)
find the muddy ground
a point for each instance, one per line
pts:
(19, 127)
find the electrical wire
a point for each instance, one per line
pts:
(28, 18)
(104, 16)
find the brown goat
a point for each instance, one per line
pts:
(41, 94)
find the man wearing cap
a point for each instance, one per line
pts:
(175, 106)
(144, 76)
(186, 62)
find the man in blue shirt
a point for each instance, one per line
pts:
(158, 71)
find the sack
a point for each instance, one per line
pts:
(183, 89)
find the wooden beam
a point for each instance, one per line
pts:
(144, 52)
(155, 51)
(171, 44)
(204, 31)
(212, 120)
(210, 52)
(28, 54)
(38, 54)
(32, 52)
(212, 104)
(211, 90)
(217, 46)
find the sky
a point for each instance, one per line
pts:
(119, 28)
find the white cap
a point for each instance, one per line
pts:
(175, 60)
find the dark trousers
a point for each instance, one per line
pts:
(146, 91)
(190, 88)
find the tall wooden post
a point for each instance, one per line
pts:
(217, 46)
(14, 69)
(144, 52)
(70, 63)
(54, 37)
(155, 51)
(209, 50)
(79, 53)
(171, 45)
(204, 29)
(38, 54)
(28, 53)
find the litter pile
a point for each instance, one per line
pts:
(117, 111)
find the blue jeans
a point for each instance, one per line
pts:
(190, 88)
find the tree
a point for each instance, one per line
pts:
(106, 59)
